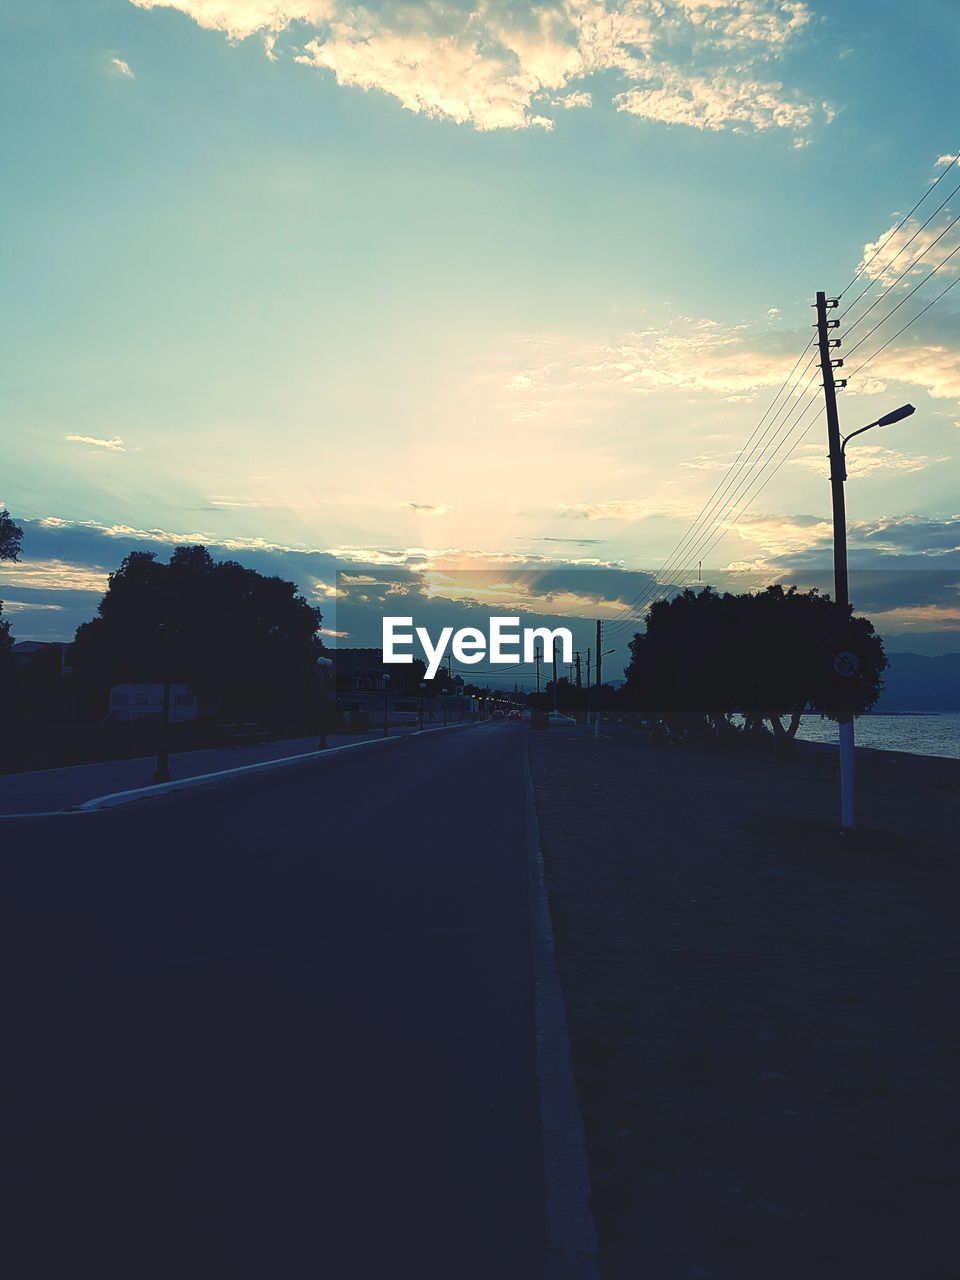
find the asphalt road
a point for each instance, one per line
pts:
(50, 790)
(281, 1026)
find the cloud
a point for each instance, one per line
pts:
(926, 356)
(911, 535)
(448, 587)
(867, 460)
(122, 68)
(575, 542)
(912, 250)
(721, 101)
(569, 101)
(19, 606)
(241, 18)
(115, 444)
(498, 64)
(55, 575)
(426, 508)
(900, 543)
(686, 355)
(615, 509)
(782, 535)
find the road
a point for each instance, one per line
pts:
(50, 790)
(282, 1025)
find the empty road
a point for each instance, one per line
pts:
(281, 1025)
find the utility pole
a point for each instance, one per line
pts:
(555, 703)
(162, 771)
(841, 588)
(538, 658)
(577, 665)
(596, 718)
(588, 668)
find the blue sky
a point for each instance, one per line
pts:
(459, 284)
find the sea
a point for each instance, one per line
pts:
(922, 735)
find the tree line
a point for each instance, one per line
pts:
(247, 646)
(707, 661)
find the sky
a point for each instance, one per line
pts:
(472, 286)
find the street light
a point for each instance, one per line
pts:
(423, 688)
(323, 666)
(887, 420)
(386, 689)
(838, 474)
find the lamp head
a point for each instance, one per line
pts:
(888, 419)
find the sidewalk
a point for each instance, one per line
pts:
(764, 1035)
(51, 790)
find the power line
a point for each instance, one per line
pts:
(745, 504)
(733, 470)
(747, 477)
(905, 298)
(748, 467)
(906, 271)
(902, 328)
(863, 266)
(711, 538)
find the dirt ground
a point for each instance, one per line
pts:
(764, 1013)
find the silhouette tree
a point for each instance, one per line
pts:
(246, 644)
(10, 538)
(769, 655)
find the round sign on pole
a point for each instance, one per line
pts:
(846, 663)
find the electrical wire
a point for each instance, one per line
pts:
(753, 491)
(763, 459)
(735, 468)
(755, 465)
(906, 245)
(902, 328)
(903, 274)
(906, 297)
(863, 266)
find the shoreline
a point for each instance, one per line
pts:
(894, 766)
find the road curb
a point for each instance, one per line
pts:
(118, 798)
(571, 1239)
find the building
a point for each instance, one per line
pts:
(363, 693)
(51, 655)
(145, 701)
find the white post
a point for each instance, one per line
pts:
(848, 816)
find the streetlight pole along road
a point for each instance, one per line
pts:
(323, 666)
(838, 476)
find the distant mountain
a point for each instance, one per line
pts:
(915, 682)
